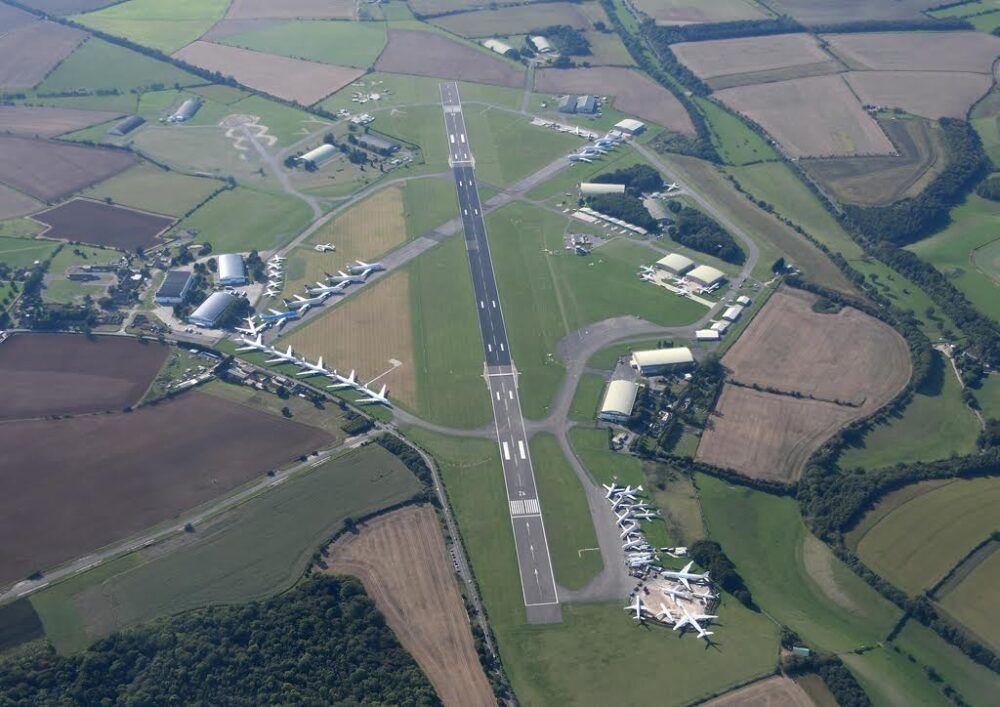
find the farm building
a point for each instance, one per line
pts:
(706, 275)
(656, 362)
(174, 288)
(497, 46)
(630, 126)
(675, 264)
(619, 399)
(215, 305)
(707, 335)
(317, 156)
(586, 105)
(594, 188)
(231, 270)
(732, 313)
(187, 111)
(541, 44)
(126, 126)
(377, 144)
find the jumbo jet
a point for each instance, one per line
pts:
(646, 515)
(637, 544)
(666, 615)
(276, 259)
(299, 302)
(253, 344)
(689, 619)
(624, 518)
(365, 269)
(322, 289)
(636, 607)
(371, 398)
(251, 328)
(672, 187)
(277, 316)
(629, 530)
(639, 562)
(579, 158)
(312, 369)
(286, 357)
(685, 576)
(324, 247)
(349, 382)
(343, 277)
(612, 490)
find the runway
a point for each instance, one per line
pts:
(538, 584)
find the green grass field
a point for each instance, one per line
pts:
(19, 228)
(983, 117)
(62, 290)
(427, 204)
(936, 424)
(988, 395)
(888, 679)
(605, 466)
(906, 295)
(968, 253)
(243, 219)
(607, 359)
(736, 143)
(676, 496)
(423, 126)
(587, 399)
(576, 558)
(166, 25)
(792, 575)
(915, 545)
(974, 601)
(258, 549)
(568, 179)
(331, 42)
(400, 90)
(150, 188)
(101, 65)
(23, 252)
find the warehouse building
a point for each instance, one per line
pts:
(187, 111)
(675, 264)
(175, 287)
(541, 44)
(497, 46)
(732, 313)
(619, 399)
(595, 188)
(707, 335)
(211, 310)
(721, 326)
(744, 300)
(658, 362)
(586, 105)
(630, 126)
(706, 276)
(126, 126)
(377, 144)
(232, 271)
(317, 156)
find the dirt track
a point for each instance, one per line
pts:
(400, 558)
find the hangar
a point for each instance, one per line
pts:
(317, 156)
(542, 45)
(215, 305)
(619, 399)
(186, 111)
(706, 275)
(707, 335)
(733, 313)
(126, 126)
(231, 270)
(675, 263)
(174, 288)
(658, 362)
(594, 188)
(497, 46)
(630, 126)
(377, 144)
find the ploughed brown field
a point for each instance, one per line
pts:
(67, 374)
(32, 50)
(814, 373)
(69, 487)
(46, 121)
(429, 54)
(49, 170)
(102, 224)
(14, 203)
(11, 18)
(516, 19)
(931, 94)
(291, 9)
(907, 51)
(400, 558)
(772, 692)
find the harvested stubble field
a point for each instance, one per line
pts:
(77, 484)
(514, 20)
(14, 203)
(811, 117)
(30, 52)
(50, 170)
(11, 18)
(101, 224)
(833, 11)
(634, 93)
(69, 374)
(401, 560)
(291, 79)
(685, 12)
(430, 54)
(44, 121)
(773, 692)
(973, 602)
(907, 51)
(291, 9)
(931, 94)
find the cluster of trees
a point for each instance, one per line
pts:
(626, 207)
(945, 24)
(672, 34)
(701, 232)
(255, 267)
(709, 554)
(638, 179)
(410, 457)
(989, 188)
(356, 424)
(566, 40)
(703, 390)
(835, 675)
(321, 643)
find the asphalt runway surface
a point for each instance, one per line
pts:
(538, 584)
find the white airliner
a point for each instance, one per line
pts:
(321, 289)
(272, 292)
(667, 615)
(286, 357)
(636, 607)
(299, 302)
(253, 344)
(628, 530)
(673, 186)
(276, 259)
(343, 277)
(365, 269)
(324, 247)
(349, 382)
(251, 328)
(612, 489)
(579, 158)
(685, 576)
(692, 620)
(637, 544)
(312, 369)
(371, 398)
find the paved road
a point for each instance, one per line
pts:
(538, 583)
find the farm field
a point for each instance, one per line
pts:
(12, 17)
(984, 118)
(431, 54)
(49, 170)
(811, 117)
(265, 9)
(311, 82)
(680, 12)
(66, 374)
(355, 44)
(931, 94)
(19, 623)
(988, 395)
(400, 558)
(45, 121)
(634, 93)
(916, 544)
(14, 203)
(100, 224)
(149, 188)
(66, 7)
(328, 418)
(906, 51)
(812, 12)
(23, 252)
(77, 465)
(908, 684)
(514, 20)
(166, 25)
(973, 602)
(29, 52)
(772, 691)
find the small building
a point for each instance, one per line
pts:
(541, 44)
(744, 301)
(721, 326)
(675, 264)
(732, 313)
(127, 125)
(187, 111)
(657, 362)
(585, 105)
(232, 271)
(175, 287)
(706, 276)
(317, 156)
(497, 46)
(377, 144)
(594, 188)
(707, 335)
(619, 399)
(630, 126)
(211, 310)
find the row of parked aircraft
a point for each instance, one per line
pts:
(601, 146)
(275, 274)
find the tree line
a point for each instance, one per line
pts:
(701, 232)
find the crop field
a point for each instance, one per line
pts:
(931, 94)
(31, 51)
(907, 684)
(906, 51)
(14, 203)
(973, 601)
(400, 559)
(811, 117)
(682, 12)
(634, 93)
(430, 54)
(290, 9)
(291, 79)
(50, 170)
(11, 17)
(100, 224)
(166, 25)
(514, 20)
(149, 188)
(65, 374)
(766, 693)
(825, 11)
(69, 468)
(346, 43)
(916, 544)
(327, 418)
(732, 62)
(42, 121)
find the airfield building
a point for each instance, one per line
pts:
(675, 264)
(317, 156)
(630, 126)
(211, 310)
(706, 276)
(659, 362)
(127, 125)
(732, 313)
(721, 326)
(175, 287)
(541, 44)
(497, 46)
(585, 105)
(744, 301)
(707, 335)
(594, 188)
(377, 144)
(232, 271)
(619, 399)
(187, 111)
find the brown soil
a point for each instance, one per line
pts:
(908, 51)
(772, 692)
(44, 121)
(429, 54)
(401, 560)
(98, 223)
(14, 203)
(722, 57)
(31, 51)
(931, 94)
(50, 170)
